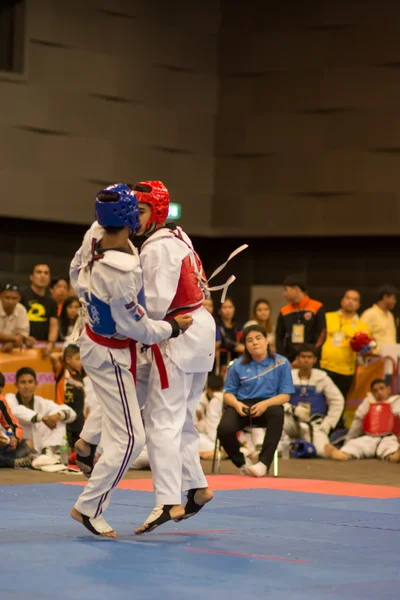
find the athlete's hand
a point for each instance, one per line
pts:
(184, 321)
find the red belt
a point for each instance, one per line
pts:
(131, 344)
(116, 345)
(162, 371)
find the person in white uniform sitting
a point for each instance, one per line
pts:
(44, 421)
(374, 432)
(208, 415)
(316, 406)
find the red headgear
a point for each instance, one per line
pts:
(156, 194)
(360, 340)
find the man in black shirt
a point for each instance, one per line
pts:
(42, 309)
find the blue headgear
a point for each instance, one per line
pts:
(117, 206)
(302, 449)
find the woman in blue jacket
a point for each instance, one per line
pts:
(256, 387)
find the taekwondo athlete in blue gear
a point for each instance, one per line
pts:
(316, 406)
(107, 276)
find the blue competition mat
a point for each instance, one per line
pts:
(247, 544)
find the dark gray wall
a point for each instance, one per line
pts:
(308, 118)
(113, 90)
(263, 118)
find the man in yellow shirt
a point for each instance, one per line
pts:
(379, 317)
(338, 358)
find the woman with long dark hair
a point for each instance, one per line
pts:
(261, 315)
(227, 333)
(257, 386)
(68, 317)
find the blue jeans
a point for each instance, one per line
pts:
(8, 457)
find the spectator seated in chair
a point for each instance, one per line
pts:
(14, 323)
(374, 432)
(226, 335)
(15, 453)
(44, 421)
(68, 317)
(59, 292)
(257, 386)
(42, 309)
(316, 406)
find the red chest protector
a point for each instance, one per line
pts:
(189, 293)
(380, 420)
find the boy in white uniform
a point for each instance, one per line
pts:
(316, 406)
(107, 277)
(44, 421)
(208, 415)
(374, 432)
(174, 283)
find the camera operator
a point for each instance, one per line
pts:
(256, 387)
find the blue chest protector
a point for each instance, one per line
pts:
(101, 321)
(100, 318)
(308, 395)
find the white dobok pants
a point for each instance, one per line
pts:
(370, 446)
(171, 437)
(117, 420)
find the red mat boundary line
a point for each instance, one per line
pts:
(308, 486)
(240, 555)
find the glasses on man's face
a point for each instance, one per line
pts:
(11, 287)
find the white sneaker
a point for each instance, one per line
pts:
(46, 458)
(257, 470)
(244, 470)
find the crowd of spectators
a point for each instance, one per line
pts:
(288, 381)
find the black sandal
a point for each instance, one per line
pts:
(87, 460)
(96, 525)
(191, 507)
(163, 518)
(86, 522)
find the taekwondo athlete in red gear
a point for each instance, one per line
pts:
(107, 277)
(374, 432)
(174, 284)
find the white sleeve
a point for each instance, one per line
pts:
(83, 255)
(75, 267)
(161, 262)
(21, 412)
(335, 400)
(130, 318)
(396, 406)
(69, 412)
(357, 424)
(213, 416)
